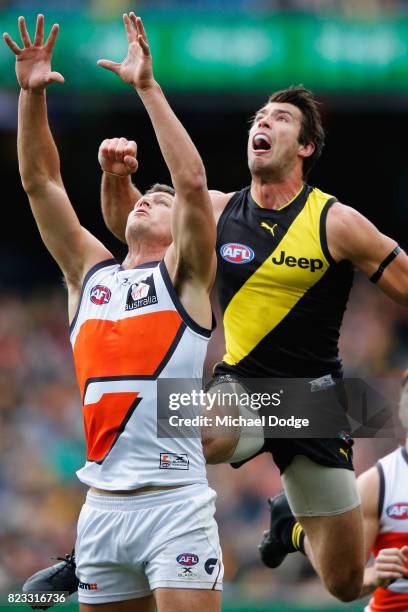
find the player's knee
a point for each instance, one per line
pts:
(345, 586)
(217, 449)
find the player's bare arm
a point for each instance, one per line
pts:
(389, 563)
(351, 236)
(190, 259)
(117, 157)
(74, 248)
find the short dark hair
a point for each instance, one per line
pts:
(157, 187)
(311, 129)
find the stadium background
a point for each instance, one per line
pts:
(217, 61)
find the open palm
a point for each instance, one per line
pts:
(33, 62)
(136, 69)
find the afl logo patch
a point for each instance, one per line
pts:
(236, 253)
(187, 559)
(398, 511)
(100, 295)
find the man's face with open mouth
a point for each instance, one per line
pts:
(273, 137)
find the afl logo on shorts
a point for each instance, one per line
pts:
(100, 295)
(398, 511)
(187, 559)
(236, 253)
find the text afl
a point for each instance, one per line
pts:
(237, 253)
(100, 295)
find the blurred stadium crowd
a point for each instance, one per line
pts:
(42, 444)
(113, 7)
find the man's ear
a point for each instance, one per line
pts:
(306, 150)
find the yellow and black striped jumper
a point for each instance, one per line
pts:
(282, 295)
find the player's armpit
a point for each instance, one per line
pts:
(351, 236)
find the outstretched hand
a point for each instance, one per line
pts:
(33, 61)
(136, 69)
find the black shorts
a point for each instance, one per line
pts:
(336, 452)
(332, 452)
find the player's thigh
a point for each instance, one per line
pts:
(326, 502)
(316, 490)
(187, 600)
(142, 604)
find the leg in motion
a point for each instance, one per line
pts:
(326, 525)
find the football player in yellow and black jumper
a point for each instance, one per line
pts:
(286, 253)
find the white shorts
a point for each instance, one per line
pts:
(128, 546)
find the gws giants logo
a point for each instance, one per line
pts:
(236, 253)
(142, 293)
(100, 295)
(209, 565)
(398, 511)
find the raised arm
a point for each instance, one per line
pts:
(389, 563)
(351, 236)
(73, 247)
(193, 227)
(117, 157)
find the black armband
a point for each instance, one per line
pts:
(377, 275)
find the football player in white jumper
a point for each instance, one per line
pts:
(146, 535)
